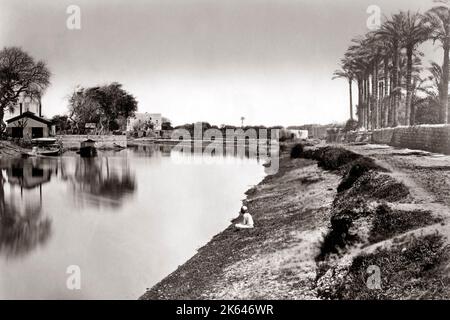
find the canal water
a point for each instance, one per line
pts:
(113, 225)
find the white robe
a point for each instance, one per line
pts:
(247, 223)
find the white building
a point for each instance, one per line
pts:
(139, 118)
(25, 120)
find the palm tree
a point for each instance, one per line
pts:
(390, 32)
(414, 32)
(437, 79)
(439, 18)
(359, 60)
(346, 73)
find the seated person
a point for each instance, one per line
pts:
(247, 219)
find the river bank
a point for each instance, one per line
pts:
(352, 227)
(10, 150)
(273, 260)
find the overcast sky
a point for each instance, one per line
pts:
(270, 61)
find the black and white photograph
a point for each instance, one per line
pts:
(243, 151)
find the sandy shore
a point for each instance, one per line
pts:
(321, 230)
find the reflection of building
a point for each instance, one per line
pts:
(142, 118)
(25, 120)
(22, 227)
(28, 175)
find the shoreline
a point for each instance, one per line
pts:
(321, 223)
(271, 260)
(9, 150)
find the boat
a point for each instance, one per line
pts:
(118, 147)
(43, 141)
(51, 151)
(87, 149)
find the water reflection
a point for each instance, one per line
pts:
(22, 227)
(103, 182)
(139, 210)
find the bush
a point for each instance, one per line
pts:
(358, 168)
(388, 223)
(350, 125)
(297, 151)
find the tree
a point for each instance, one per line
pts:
(102, 105)
(439, 19)
(20, 75)
(346, 73)
(166, 125)
(390, 31)
(83, 108)
(61, 123)
(413, 32)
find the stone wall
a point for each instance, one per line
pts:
(382, 136)
(101, 141)
(433, 138)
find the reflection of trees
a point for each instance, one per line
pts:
(109, 184)
(21, 229)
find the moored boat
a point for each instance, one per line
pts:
(87, 149)
(50, 151)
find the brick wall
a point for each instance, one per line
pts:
(382, 136)
(434, 138)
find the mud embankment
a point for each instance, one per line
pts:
(9, 150)
(373, 249)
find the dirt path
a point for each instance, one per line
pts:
(416, 261)
(427, 175)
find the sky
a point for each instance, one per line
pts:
(270, 61)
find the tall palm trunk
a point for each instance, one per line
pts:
(364, 101)
(374, 98)
(360, 103)
(368, 104)
(386, 92)
(445, 76)
(391, 101)
(396, 82)
(350, 80)
(409, 112)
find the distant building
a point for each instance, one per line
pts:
(141, 118)
(299, 134)
(315, 131)
(25, 120)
